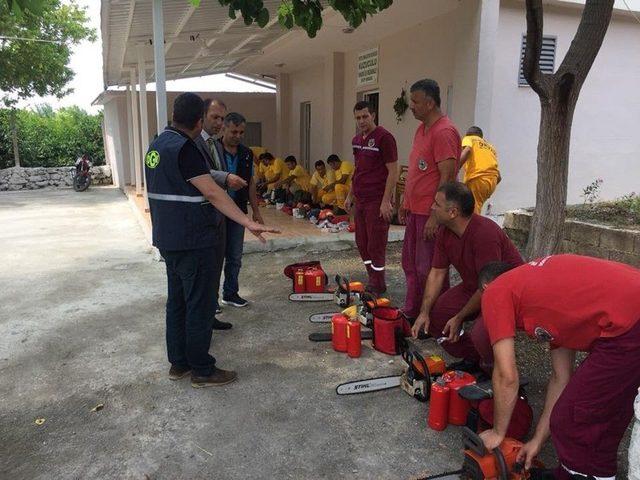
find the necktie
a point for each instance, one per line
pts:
(214, 153)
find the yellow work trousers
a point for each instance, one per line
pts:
(482, 188)
(337, 197)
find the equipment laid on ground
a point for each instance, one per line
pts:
(480, 464)
(389, 327)
(354, 338)
(447, 406)
(327, 337)
(415, 379)
(362, 310)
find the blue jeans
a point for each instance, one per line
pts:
(191, 277)
(232, 258)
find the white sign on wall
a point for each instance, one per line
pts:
(368, 67)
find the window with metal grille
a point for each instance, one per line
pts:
(547, 57)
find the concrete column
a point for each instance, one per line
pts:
(144, 117)
(158, 56)
(130, 130)
(283, 114)
(333, 117)
(487, 44)
(137, 160)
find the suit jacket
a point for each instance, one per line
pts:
(219, 176)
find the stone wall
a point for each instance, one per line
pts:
(582, 238)
(19, 178)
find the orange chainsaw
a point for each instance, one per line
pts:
(480, 464)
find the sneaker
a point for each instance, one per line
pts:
(217, 378)
(176, 373)
(235, 301)
(220, 325)
(218, 310)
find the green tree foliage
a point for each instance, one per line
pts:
(52, 139)
(29, 67)
(306, 14)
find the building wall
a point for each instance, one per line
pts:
(606, 118)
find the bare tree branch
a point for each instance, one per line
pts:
(531, 63)
(586, 44)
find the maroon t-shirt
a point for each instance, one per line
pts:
(371, 154)
(482, 242)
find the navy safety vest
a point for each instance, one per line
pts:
(245, 161)
(181, 218)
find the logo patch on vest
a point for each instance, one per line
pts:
(152, 159)
(422, 164)
(542, 335)
(371, 142)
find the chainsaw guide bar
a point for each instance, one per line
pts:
(311, 297)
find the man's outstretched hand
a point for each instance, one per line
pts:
(258, 229)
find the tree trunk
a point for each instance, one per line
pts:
(14, 136)
(558, 94)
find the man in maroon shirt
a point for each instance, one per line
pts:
(468, 242)
(374, 179)
(573, 303)
(433, 161)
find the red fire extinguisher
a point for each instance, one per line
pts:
(314, 280)
(458, 406)
(339, 332)
(299, 281)
(439, 405)
(354, 345)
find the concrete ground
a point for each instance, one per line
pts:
(81, 324)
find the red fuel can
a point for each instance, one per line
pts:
(439, 405)
(299, 281)
(314, 280)
(458, 406)
(354, 340)
(339, 332)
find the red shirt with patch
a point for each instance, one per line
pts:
(567, 300)
(430, 146)
(483, 241)
(371, 154)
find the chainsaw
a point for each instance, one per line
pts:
(480, 464)
(345, 293)
(361, 309)
(415, 379)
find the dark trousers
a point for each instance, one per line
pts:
(372, 232)
(595, 408)
(191, 277)
(232, 257)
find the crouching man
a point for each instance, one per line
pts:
(574, 303)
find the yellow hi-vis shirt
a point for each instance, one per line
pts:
(302, 178)
(346, 169)
(322, 182)
(483, 159)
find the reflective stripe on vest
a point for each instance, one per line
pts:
(176, 198)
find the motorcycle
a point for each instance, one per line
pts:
(82, 174)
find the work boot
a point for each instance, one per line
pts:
(220, 325)
(176, 373)
(217, 378)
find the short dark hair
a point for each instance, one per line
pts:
(429, 87)
(477, 131)
(333, 158)
(264, 155)
(459, 193)
(188, 109)
(319, 163)
(492, 270)
(209, 101)
(235, 118)
(291, 158)
(361, 105)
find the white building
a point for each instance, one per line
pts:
(471, 47)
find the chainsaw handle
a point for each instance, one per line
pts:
(343, 284)
(474, 443)
(426, 372)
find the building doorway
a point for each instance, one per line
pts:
(373, 98)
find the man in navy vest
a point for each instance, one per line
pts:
(239, 161)
(186, 229)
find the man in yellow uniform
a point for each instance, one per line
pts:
(275, 172)
(320, 179)
(298, 178)
(480, 162)
(337, 191)
(257, 152)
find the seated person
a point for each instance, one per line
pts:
(275, 171)
(338, 190)
(320, 179)
(298, 178)
(257, 153)
(260, 172)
